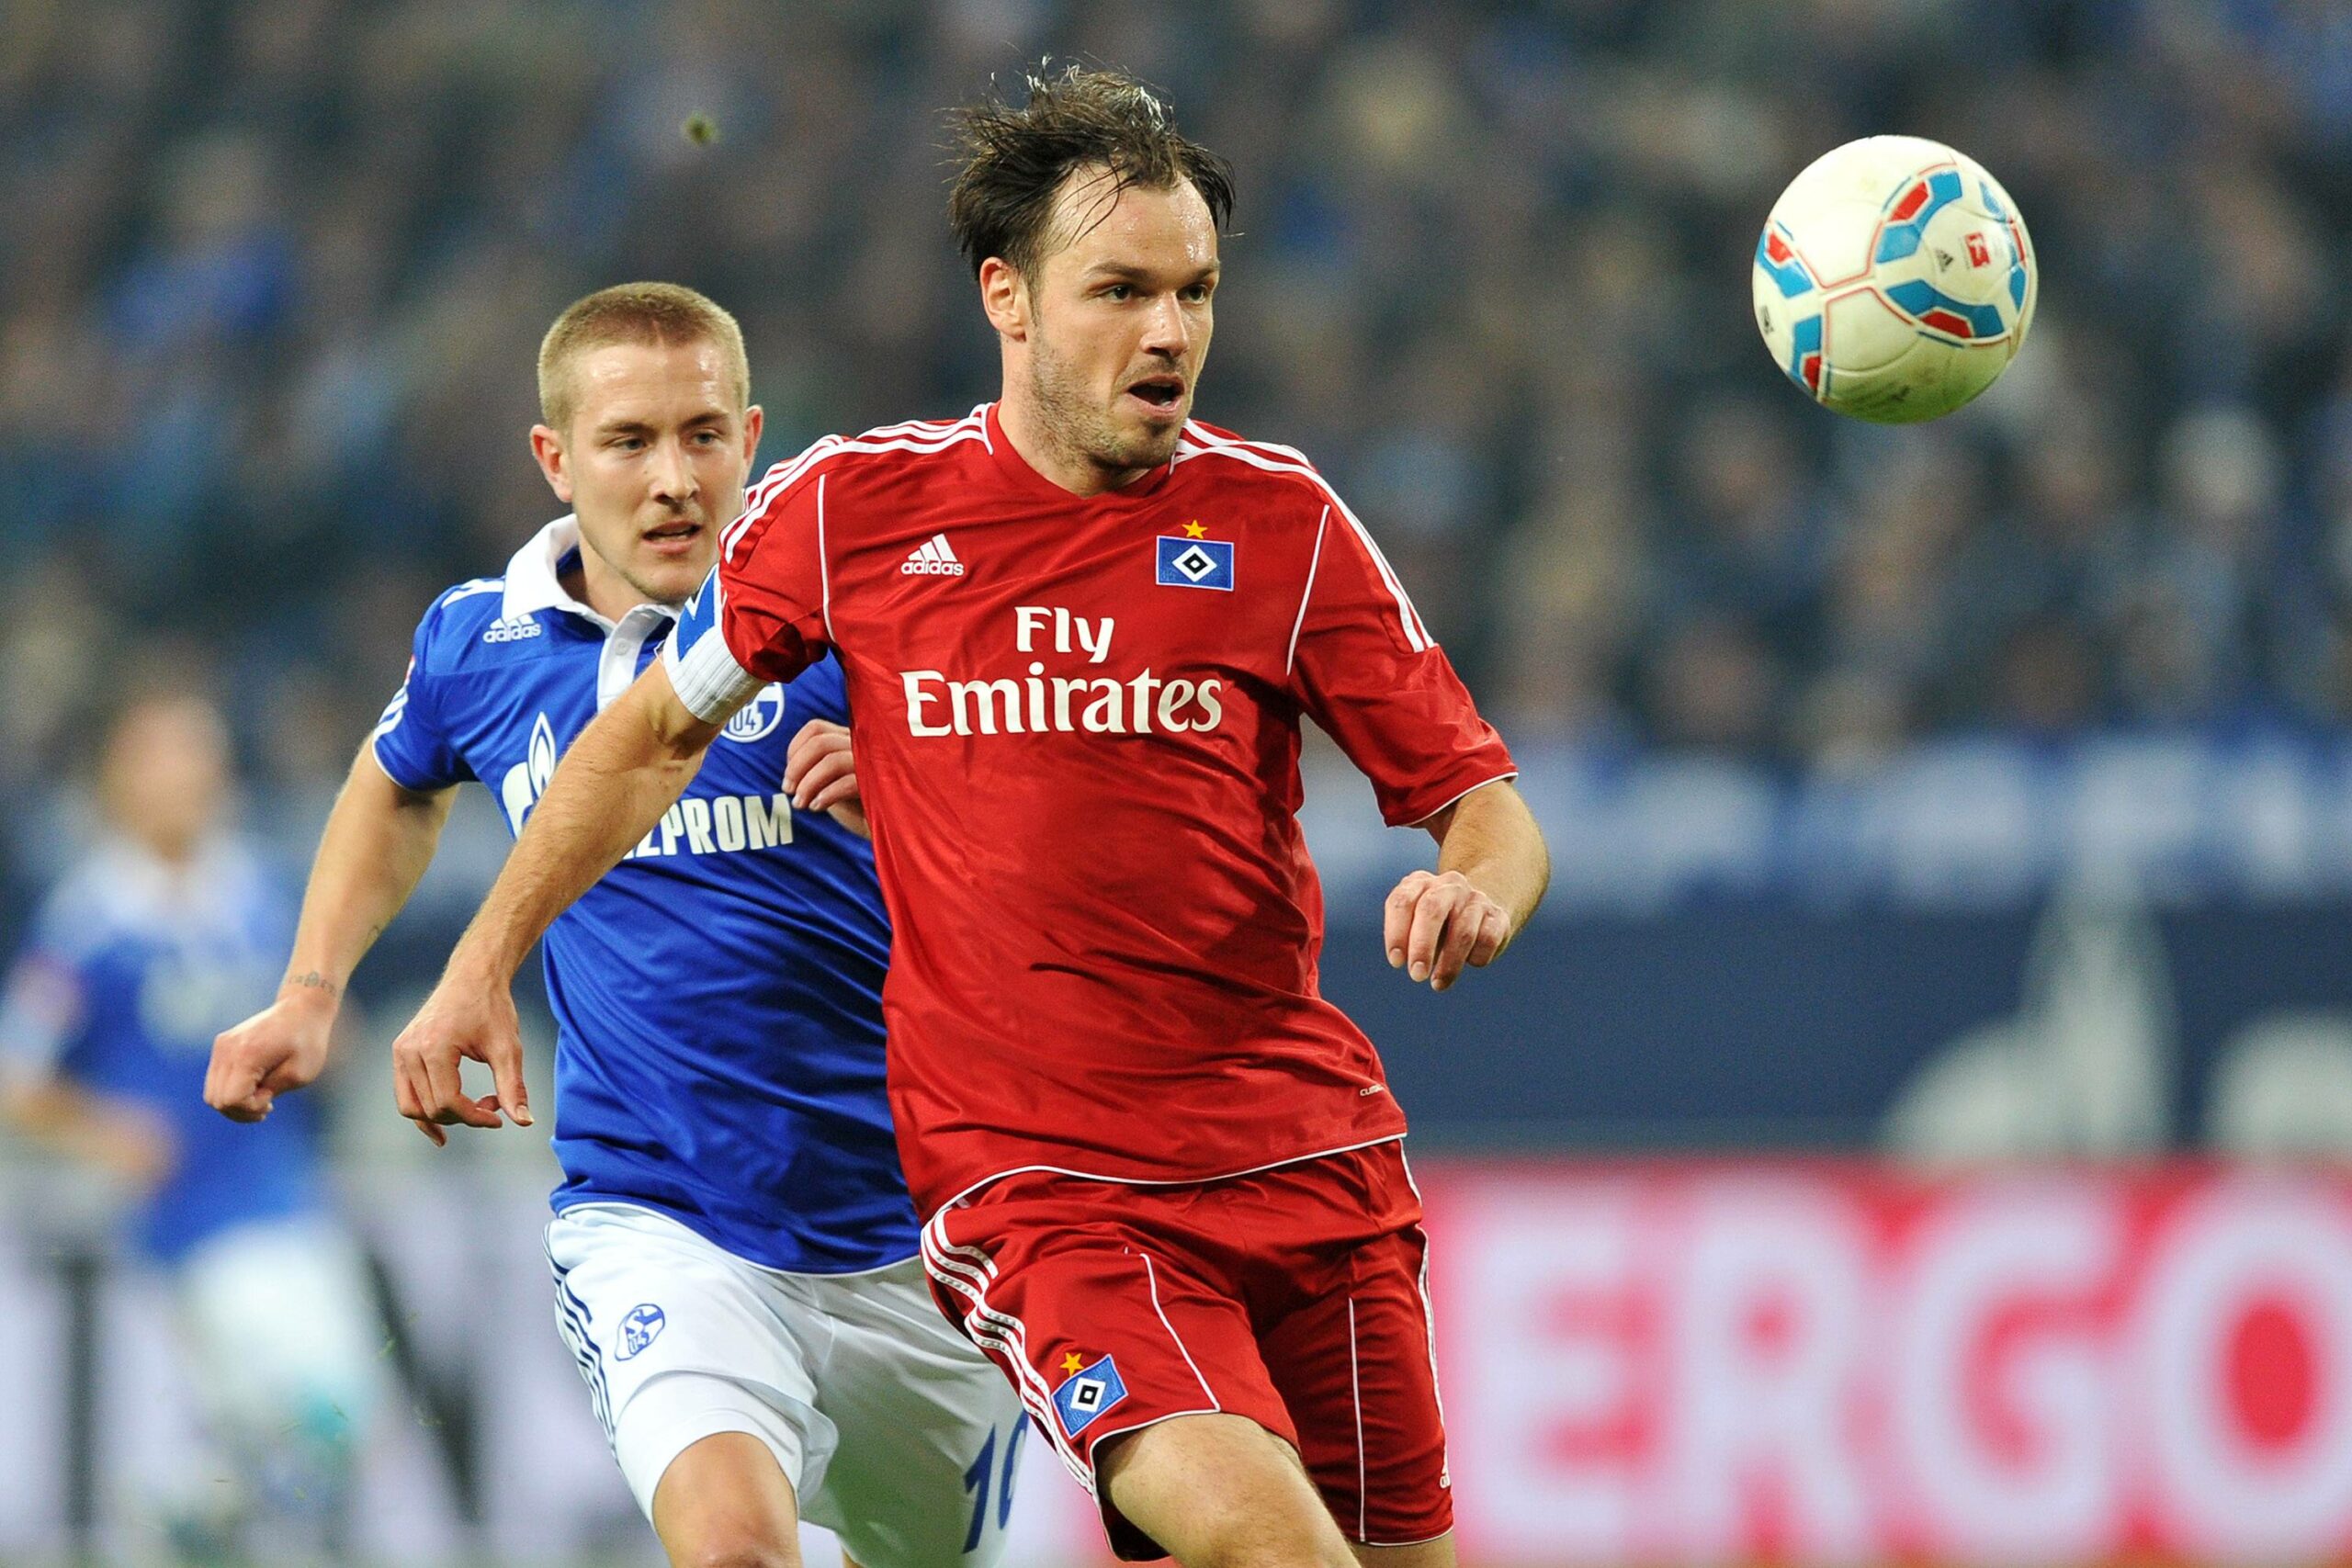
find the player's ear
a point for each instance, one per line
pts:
(554, 462)
(755, 421)
(1004, 297)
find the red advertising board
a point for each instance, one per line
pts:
(1676, 1361)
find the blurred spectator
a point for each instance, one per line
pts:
(166, 932)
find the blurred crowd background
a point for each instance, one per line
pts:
(2016, 740)
(274, 273)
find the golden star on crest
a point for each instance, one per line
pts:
(1193, 530)
(1071, 1363)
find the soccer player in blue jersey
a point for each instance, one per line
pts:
(167, 929)
(735, 1252)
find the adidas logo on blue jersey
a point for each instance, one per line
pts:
(517, 630)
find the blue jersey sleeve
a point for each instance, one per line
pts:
(412, 741)
(44, 1012)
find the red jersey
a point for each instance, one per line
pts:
(1077, 728)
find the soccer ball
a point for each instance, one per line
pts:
(1894, 280)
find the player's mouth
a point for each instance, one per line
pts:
(674, 539)
(1162, 397)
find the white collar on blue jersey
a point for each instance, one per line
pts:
(534, 583)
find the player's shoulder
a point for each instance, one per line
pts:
(912, 447)
(469, 625)
(1210, 455)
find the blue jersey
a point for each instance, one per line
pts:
(134, 966)
(718, 996)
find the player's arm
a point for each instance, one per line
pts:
(1366, 668)
(119, 1136)
(379, 840)
(1491, 872)
(625, 769)
(44, 1016)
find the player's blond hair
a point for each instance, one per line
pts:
(668, 314)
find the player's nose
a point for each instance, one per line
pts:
(673, 474)
(1166, 329)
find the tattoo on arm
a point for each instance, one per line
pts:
(314, 981)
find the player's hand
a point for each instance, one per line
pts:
(460, 1021)
(821, 774)
(282, 1047)
(1436, 922)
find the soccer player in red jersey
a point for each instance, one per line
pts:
(1160, 1175)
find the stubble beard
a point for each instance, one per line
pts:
(1083, 429)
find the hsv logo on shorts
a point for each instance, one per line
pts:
(1188, 561)
(640, 1328)
(1087, 1393)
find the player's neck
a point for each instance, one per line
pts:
(1053, 460)
(597, 585)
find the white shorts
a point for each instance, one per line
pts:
(894, 1431)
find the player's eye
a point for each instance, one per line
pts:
(1119, 291)
(1198, 294)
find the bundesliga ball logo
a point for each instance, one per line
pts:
(1894, 280)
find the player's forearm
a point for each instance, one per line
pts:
(1490, 837)
(379, 840)
(626, 768)
(68, 1119)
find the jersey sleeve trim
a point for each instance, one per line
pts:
(1289, 460)
(1439, 811)
(778, 480)
(385, 768)
(1290, 655)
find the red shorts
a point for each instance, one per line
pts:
(1294, 1296)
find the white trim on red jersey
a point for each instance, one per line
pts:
(824, 573)
(1290, 460)
(1499, 778)
(992, 1180)
(1290, 655)
(935, 436)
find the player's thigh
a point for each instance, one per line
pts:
(1219, 1489)
(679, 1340)
(1355, 1366)
(931, 1435)
(1103, 1324)
(725, 1500)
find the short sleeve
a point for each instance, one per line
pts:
(1368, 672)
(412, 742)
(43, 1014)
(759, 616)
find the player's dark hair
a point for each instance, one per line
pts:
(1015, 160)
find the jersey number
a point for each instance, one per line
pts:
(975, 1482)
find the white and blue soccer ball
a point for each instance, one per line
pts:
(1894, 280)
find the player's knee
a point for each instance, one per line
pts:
(737, 1547)
(1303, 1551)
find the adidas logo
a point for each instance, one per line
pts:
(515, 630)
(932, 559)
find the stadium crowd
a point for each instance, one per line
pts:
(274, 273)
